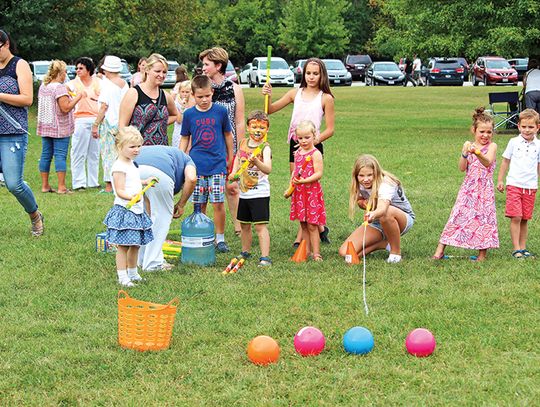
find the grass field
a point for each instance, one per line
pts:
(58, 306)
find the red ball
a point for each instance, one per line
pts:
(420, 342)
(309, 341)
(263, 350)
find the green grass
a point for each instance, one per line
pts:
(58, 297)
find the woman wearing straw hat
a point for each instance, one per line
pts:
(113, 89)
(15, 97)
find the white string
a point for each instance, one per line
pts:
(366, 309)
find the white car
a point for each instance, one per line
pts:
(170, 79)
(39, 70)
(244, 74)
(280, 73)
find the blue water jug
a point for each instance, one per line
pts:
(198, 239)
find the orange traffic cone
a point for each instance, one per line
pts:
(351, 257)
(301, 253)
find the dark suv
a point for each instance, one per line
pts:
(493, 71)
(444, 71)
(357, 65)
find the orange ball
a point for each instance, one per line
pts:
(263, 350)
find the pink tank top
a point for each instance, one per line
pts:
(303, 110)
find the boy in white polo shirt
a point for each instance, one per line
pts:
(522, 155)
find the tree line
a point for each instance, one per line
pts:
(180, 29)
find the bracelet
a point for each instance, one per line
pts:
(464, 156)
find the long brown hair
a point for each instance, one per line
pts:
(369, 161)
(324, 83)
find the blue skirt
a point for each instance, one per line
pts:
(125, 228)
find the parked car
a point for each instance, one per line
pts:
(384, 73)
(337, 73)
(39, 70)
(357, 65)
(444, 71)
(465, 66)
(125, 73)
(230, 72)
(244, 74)
(280, 74)
(297, 69)
(520, 65)
(71, 72)
(493, 71)
(170, 79)
(402, 62)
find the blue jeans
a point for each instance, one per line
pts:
(57, 147)
(12, 155)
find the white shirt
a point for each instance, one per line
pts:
(133, 184)
(417, 64)
(524, 157)
(533, 80)
(112, 95)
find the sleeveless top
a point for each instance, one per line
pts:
(253, 182)
(224, 96)
(9, 85)
(151, 118)
(306, 110)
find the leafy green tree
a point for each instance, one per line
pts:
(314, 28)
(359, 22)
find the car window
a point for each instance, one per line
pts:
(230, 67)
(172, 66)
(497, 64)
(279, 64)
(359, 59)
(386, 67)
(41, 69)
(334, 65)
(447, 64)
(125, 68)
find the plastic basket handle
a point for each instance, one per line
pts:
(174, 302)
(122, 294)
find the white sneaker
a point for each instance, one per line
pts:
(136, 277)
(127, 283)
(393, 258)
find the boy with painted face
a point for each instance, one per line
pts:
(254, 204)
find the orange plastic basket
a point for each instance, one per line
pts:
(144, 325)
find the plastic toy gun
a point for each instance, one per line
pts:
(292, 186)
(138, 197)
(245, 164)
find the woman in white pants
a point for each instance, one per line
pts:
(175, 171)
(84, 147)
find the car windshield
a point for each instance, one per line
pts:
(447, 64)
(359, 59)
(41, 69)
(125, 68)
(386, 67)
(278, 64)
(230, 67)
(334, 65)
(497, 64)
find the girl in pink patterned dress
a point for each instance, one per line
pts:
(473, 221)
(307, 202)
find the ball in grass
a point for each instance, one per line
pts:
(420, 342)
(263, 350)
(358, 340)
(309, 341)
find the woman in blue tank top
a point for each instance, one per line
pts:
(16, 94)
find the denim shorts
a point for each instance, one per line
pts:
(377, 225)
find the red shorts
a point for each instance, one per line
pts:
(519, 202)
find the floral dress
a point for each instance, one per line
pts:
(307, 201)
(473, 221)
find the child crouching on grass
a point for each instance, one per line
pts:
(254, 204)
(127, 228)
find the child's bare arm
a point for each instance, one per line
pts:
(266, 165)
(235, 167)
(184, 143)
(502, 172)
(229, 145)
(489, 157)
(119, 179)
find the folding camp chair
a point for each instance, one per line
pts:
(508, 115)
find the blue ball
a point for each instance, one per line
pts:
(358, 340)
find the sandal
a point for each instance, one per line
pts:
(317, 257)
(37, 225)
(527, 253)
(296, 244)
(518, 254)
(245, 255)
(441, 257)
(265, 261)
(66, 192)
(50, 190)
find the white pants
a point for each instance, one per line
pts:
(161, 198)
(84, 155)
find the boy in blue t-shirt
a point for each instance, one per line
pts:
(209, 128)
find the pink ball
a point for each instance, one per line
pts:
(420, 342)
(309, 341)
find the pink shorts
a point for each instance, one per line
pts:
(519, 202)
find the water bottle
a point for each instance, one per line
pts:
(198, 239)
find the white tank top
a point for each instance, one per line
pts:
(311, 110)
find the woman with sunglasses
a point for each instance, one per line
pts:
(15, 96)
